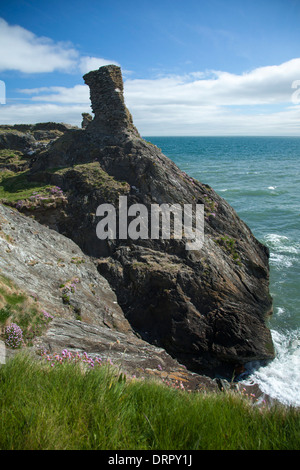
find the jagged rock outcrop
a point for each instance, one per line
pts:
(20, 142)
(86, 119)
(206, 308)
(111, 115)
(45, 264)
(30, 136)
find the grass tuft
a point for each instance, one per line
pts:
(19, 308)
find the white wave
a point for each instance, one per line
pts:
(280, 311)
(276, 239)
(281, 261)
(282, 243)
(281, 378)
(272, 187)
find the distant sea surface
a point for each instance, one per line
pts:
(260, 178)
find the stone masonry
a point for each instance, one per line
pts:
(106, 93)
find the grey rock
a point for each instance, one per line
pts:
(86, 119)
(125, 352)
(111, 115)
(16, 140)
(40, 261)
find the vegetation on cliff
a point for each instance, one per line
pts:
(63, 408)
(22, 311)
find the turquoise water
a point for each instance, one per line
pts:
(260, 178)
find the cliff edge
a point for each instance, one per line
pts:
(207, 307)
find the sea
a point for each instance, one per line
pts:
(260, 178)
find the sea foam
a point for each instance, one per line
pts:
(281, 243)
(281, 378)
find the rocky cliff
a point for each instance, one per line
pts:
(44, 273)
(207, 308)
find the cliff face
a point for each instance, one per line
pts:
(45, 264)
(38, 269)
(207, 308)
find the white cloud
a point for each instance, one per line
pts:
(23, 51)
(86, 64)
(59, 94)
(257, 102)
(264, 85)
(44, 112)
(261, 86)
(218, 121)
(209, 120)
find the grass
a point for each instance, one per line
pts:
(16, 186)
(11, 157)
(16, 190)
(229, 246)
(20, 308)
(92, 176)
(56, 408)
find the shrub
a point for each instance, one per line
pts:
(14, 336)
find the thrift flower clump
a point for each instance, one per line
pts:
(76, 357)
(14, 336)
(69, 288)
(48, 198)
(54, 360)
(47, 315)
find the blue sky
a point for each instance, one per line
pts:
(189, 67)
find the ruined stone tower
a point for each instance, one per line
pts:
(112, 118)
